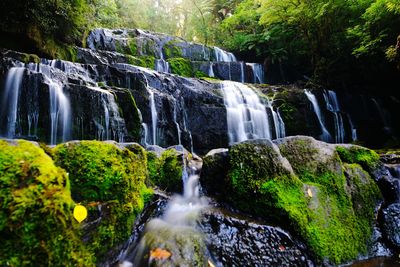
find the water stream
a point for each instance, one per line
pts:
(325, 136)
(246, 115)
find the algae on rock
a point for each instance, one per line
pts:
(36, 222)
(111, 181)
(329, 203)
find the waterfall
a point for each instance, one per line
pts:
(384, 119)
(162, 66)
(179, 218)
(9, 108)
(185, 126)
(223, 56)
(332, 105)
(258, 72)
(246, 116)
(242, 74)
(178, 129)
(153, 116)
(60, 112)
(279, 125)
(211, 70)
(352, 128)
(326, 136)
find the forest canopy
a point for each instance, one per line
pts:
(318, 39)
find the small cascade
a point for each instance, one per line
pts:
(162, 66)
(332, 104)
(178, 129)
(185, 126)
(9, 107)
(223, 56)
(211, 70)
(178, 222)
(326, 136)
(384, 119)
(279, 125)
(242, 73)
(258, 72)
(281, 128)
(60, 113)
(352, 128)
(246, 115)
(153, 117)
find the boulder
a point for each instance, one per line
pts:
(324, 191)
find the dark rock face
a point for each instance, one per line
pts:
(235, 241)
(391, 226)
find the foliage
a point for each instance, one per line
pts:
(36, 223)
(102, 174)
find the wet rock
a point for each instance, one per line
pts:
(391, 224)
(240, 241)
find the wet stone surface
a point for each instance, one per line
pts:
(239, 242)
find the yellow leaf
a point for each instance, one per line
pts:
(210, 264)
(160, 254)
(309, 192)
(80, 213)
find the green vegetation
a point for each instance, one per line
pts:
(181, 66)
(36, 223)
(367, 158)
(166, 171)
(102, 174)
(329, 203)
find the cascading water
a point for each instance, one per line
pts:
(332, 104)
(162, 66)
(178, 222)
(60, 113)
(258, 72)
(185, 126)
(242, 74)
(153, 117)
(223, 56)
(246, 115)
(9, 108)
(326, 136)
(352, 128)
(281, 128)
(279, 125)
(211, 70)
(178, 129)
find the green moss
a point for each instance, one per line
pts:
(132, 47)
(171, 50)
(36, 223)
(142, 61)
(104, 174)
(181, 66)
(367, 158)
(335, 220)
(30, 58)
(166, 171)
(200, 74)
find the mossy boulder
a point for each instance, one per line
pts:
(299, 180)
(110, 181)
(165, 170)
(36, 222)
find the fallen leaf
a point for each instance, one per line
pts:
(210, 264)
(80, 213)
(309, 192)
(281, 248)
(160, 254)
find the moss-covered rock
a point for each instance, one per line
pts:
(36, 223)
(108, 178)
(181, 66)
(171, 50)
(166, 171)
(329, 203)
